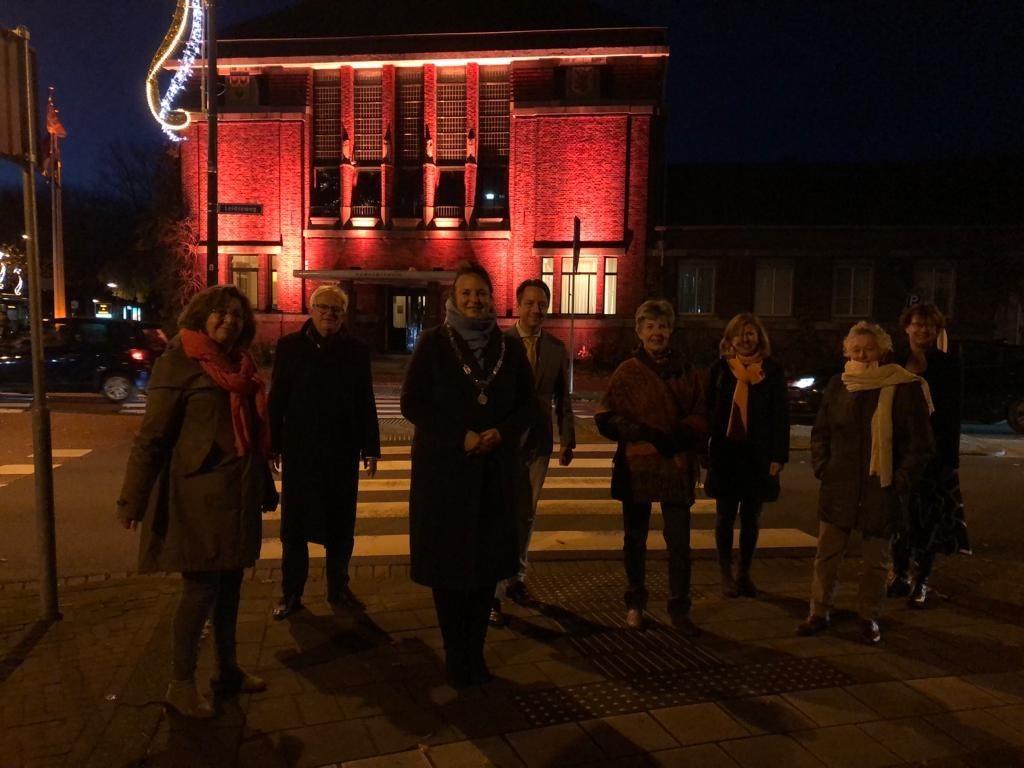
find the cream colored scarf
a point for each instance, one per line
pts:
(861, 377)
(748, 372)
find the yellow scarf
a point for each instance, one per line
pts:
(748, 372)
(860, 377)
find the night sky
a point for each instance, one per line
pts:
(750, 82)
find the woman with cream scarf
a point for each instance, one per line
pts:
(748, 410)
(871, 441)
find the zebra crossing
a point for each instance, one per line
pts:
(576, 513)
(14, 402)
(389, 407)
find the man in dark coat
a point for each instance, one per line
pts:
(323, 420)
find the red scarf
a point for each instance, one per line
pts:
(236, 375)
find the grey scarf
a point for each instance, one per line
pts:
(475, 331)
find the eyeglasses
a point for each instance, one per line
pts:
(234, 314)
(918, 326)
(333, 309)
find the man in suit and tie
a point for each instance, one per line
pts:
(550, 362)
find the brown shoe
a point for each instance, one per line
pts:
(870, 632)
(635, 618)
(812, 625)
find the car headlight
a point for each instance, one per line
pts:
(804, 383)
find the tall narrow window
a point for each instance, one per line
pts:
(584, 292)
(451, 114)
(696, 290)
(773, 289)
(852, 289)
(325, 197)
(245, 273)
(611, 276)
(495, 94)
(274, 263)
(408, 192)
(547, 274)
(933, 282)
(367, 115)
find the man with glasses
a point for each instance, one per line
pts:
(323, 421)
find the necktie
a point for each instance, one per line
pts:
(531, 350)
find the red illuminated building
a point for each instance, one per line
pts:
(379, 156)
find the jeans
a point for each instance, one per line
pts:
(636, 519)
(877, 554)
(295, 567)
(725, 521)
(201, 593)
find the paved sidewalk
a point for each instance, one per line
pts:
(573, 687)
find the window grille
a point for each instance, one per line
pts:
(495, 94)
(410, 115)
(326, 117)
(584, 300)
(451, 114)
(367, 115)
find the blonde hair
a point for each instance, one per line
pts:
(735, 327)
(655, 309)
(332, 289)
(867, 328)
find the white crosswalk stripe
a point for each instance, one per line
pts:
(388, 407)
(14, 402)
(384, 503)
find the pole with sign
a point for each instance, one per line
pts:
(212, 92)
(18, 126)
(572, 301)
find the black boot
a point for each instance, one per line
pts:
(729, 587)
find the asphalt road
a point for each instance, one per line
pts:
(95, 441)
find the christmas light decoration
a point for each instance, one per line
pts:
(174, 120)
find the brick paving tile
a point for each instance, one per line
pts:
(954, 693)
(316, 708)
(1008, 687)
(830, 706)
(566, 673)
(893, 699)
(770, 752)
(870, 668)
(411, 759)
(475, 753)
(699, 723)
(766, 714)
(405, 730)
(520, 676)
(1012, 715)
(554, 745)
(701, 756)
(846, 746)
(977, 729)
(623, 735)
(912, 738)
(276, 714)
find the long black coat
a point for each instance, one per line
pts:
(739, 469)
(323, 420)
(841, 455)
(463, 529)
(945, 381)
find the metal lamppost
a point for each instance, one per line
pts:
(572, 301)
(54, 170)
(212, 266)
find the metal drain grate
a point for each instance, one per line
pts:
(629, 653)
(617, 697)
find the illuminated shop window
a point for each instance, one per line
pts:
(696, 288)
(773, 288)
(611, 277)
(852, 289)
(585, 290)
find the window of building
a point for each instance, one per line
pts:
(366, 195)
(934, 282)
(773, 289)
(451, 114)
(696, 288)
(495, 94)
(547, 274)
(274, 263)
(325, 199)
(409, 108)
(366, 104)
(611, 277)
(450, 197)
(326, 118)
(584, 292)
(852, 289)
(492, 192)
(408, 193)
(245, 273)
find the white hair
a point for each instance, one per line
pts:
(867, 328)
(332, 289)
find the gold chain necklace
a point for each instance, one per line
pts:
(481, 384)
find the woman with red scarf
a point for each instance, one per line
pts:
(198, 478)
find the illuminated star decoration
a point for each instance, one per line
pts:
(172, 120)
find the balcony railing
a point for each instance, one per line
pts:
(365, 210)
(448, 212)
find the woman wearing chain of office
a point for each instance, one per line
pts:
(469, 394)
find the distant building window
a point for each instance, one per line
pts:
(773, 289)
(492, 192)
(410, 115)
(934, 282)
(367, 96)
(274, 259)
(450, 197)
(366, 195)
(451, 114)
(325, 199)
(696, 288)
(408, 193)
(584, 291)
(495, 94)
(611, 276)
(245, 273)
(852, 289)
(547, 274)
(326, 117)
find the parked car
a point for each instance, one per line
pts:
(85, 354)
(993, 374)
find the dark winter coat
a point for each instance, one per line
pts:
(945, 380)
(841, 454)
(739, 469)
(323, 420)
(199, 502)
(463, 530)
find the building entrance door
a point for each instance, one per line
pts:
(406, 312)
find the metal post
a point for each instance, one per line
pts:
(212, 267)
(572, 302)
(42, 451)
(57, 224)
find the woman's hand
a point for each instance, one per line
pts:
(775, 468)
(489, 440)
(471, 442)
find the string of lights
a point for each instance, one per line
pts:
(172, 120)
